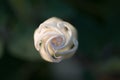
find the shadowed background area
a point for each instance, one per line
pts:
(97, 22)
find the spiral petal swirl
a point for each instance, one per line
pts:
(55, 40)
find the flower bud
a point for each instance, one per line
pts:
(55, 40)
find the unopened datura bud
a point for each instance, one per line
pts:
(55, 40)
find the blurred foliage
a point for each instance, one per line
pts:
(109, 70)
(97, 22)
(110, 66)
(1, 48)
(22, 46)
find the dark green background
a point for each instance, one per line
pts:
(97, 22)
